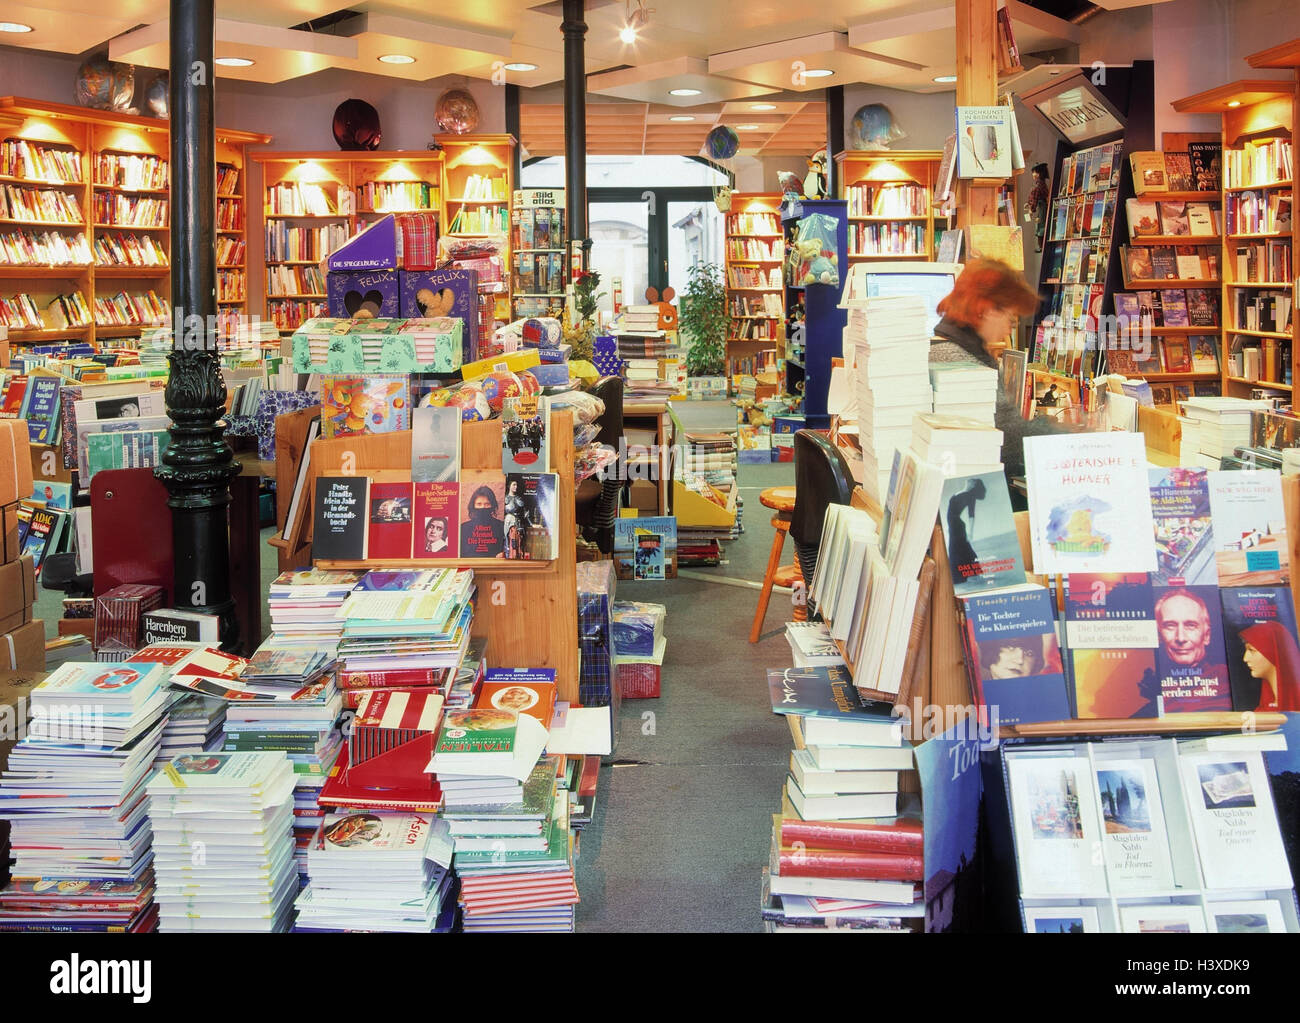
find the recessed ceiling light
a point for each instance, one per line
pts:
(746, 127)
(682, 117)
(14, 26)
(233, 62)
(396, 58)
(762, 106)
(520, 66)
(818, 72)
(944, 79)
(683, 92)
(627, 34)
(1234, 102)
(1054, 71)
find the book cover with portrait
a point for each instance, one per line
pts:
(1014, 656)
(481, 514)
(436, 518)
(1190, 659)
(1259, 627)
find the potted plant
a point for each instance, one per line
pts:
(703, 322)
(580, 332)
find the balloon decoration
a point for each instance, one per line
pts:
(456, 112)
(873, 127)
(156, 97)
(721, 143)
(104, 84)
(356, 125)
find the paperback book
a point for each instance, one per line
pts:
(1054, 816)
(434, 520)
(1259, 626)
(1133, 821)
(435, 444)
(1250, 533)
(389, 532)
(1184, 528)
(1013, 656)
(980, 533)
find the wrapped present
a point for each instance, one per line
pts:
(641, 677)
(638, 628)
(271, 404)
(419, 238)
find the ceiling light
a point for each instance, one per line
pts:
(396, 58)
(944, 79)
(1234, 102)
(634, 22)
(818, 72)
(1054, 71)
(682, 117)
(520, 66)
(14, 26)
(746, 127)
(683, 92)
(762, 106)
(233, 62)
(627, 34)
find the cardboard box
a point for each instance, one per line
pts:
(15, 707)
(77, 627)
(378, 346)
(16, 482)
(372, 293)
(17, 593)
(24, 648)
(47, 465)
(643, 495)
(9, 549)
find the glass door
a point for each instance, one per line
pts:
(621, 236)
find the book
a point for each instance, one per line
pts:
(435, 517)
(1184, 529)
(1173, 218)
(528, 691)
(1252, 916)
(648, 561)
(1162, 918)
(1061, 919)
(1164, 264)
(525, 433)
(1177, 351)
(1110, 634)
(1148, 172)
(979, 533)
(1136, 842)
(832, 712)
(340, 517)
(482, 507)
(352, 404)
(813, 780)
(1206, 160)
(1201, 220)
(1137, 264)
(44, 535)
(840, 806)
(1259, 626)
(487, 741)
(435, 444)
(1190, 660)
(1089, 508)
(1234, 820)
(903, 836)
(1202, 308)
(530, 522)
(1250, 534)
(389, 531)
(1054, 815)
(40, 407)
(1013, 656)
(984, 142)
(1205, 354)
(1178, 172)
(1143, 218)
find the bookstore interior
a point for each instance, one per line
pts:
(382, 393)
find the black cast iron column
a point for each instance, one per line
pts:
(198, 465)
(574, 27)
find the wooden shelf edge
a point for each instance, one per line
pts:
(1171, 725)
(495, 566)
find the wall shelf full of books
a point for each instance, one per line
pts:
(1258, 196)
(538, 260)
(85, 242)
(755, 293)
(890, 196)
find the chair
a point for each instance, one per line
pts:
(780, 500)
(597, 500)
(822, 477)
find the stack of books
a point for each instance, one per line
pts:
(840, 835)
(892, 341)
(640, 320)
(195, 724)
(965, 389)
(642, 344)
(74, 793)
(1214, 427)
(239, 807)
(960, 445)
(378, 871)
(811, 644)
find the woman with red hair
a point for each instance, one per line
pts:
(979, 316)
(1272, 657)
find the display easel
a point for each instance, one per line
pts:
(528, 609)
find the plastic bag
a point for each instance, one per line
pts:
(817, 250)
(586, 408)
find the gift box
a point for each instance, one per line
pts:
(374, 294)
(641, 677)
(328, 345)
(638, 628)
(551, 374)
(375, 248)
(419, 241)
(119, 617)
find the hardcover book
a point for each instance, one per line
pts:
(1110, 634)
(1206, 159)
(435, 518)
(1173, 218)
(1250, 533)
(1205, 355)
(984, 142)
(40, 408)
(1143, 218)
(1259, 626)
(980, 533)
(355, 404)
(1054, 816)
(1178, 355)
(1148, 172)
(1133, 823)
(1178, 172)
(435, 444)
(389, 531)
(528, 691)
(340, 517)
(1013, 656)
(1202, 308)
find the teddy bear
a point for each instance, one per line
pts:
(435, 303)
(805, 251)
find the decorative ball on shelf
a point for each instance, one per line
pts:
(156, 97)
(499, 386)
(104, 84)
(472, 402)
(721, 143)
(356, 126)
(456, 112)
(873, 127)
(529, 384)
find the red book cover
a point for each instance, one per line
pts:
(435, 520)
(393, 678)
(901, 838)
(390, 521)
(339, 792)
(13, 398)
(876, 866)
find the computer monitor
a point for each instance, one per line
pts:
(932, 281)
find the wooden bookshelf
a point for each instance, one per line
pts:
(751, 247)
(482, 157)
(92, 135)
(1255, 113)
(891, 194)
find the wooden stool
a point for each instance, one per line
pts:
(781, 500)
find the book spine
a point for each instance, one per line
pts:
(818, 835)
(863, 865)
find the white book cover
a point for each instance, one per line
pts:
(1055, 822)
(1253, 916)
(1136, 842)
(1061, 920)
(1089, 503)
(435, 444)
(984, 142)
(1162, 918)
(1249, 527)
(1233, 818)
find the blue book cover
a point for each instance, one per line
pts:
(408, 579)
(980, 533)
(1259, 627)
(1180, 507)
(663, 526)
(826, 690)
(1013, 651)
(41, 408)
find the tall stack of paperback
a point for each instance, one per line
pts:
(844, 855)
(965, 389)
(379, 871)
(891, 339)
(74, 792)
(236, 807)
(1214, 427)
(304, 605)
(959, 445)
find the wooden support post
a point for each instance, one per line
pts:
(977, 86)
